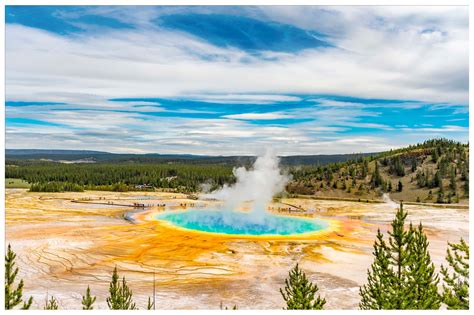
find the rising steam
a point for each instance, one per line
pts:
(389, 201)
(257, 185)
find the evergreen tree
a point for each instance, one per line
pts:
(402, 275)
(299, 293)
(13, 296)
(423, 277)
(88, 300)
(434, 156)
(376, 177)
(437, 180)
(396, 167)
(399, 244)
(452, 181)
(400, 186)
(51, 304)
(120, 294)
(456, 285)
(365, 169)
(150, 304)
(376, 294)
(440, 198)
(464, 174)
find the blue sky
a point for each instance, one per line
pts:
(234, 80)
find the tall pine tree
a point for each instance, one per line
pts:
(13, 296)
(456, 285)
(376, 179)
(402, 275)
(422, 273)
(120, 294)
(377, 293)
(399, 241)
(299, 293)
(88, 300)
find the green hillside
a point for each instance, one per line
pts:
(436, 171)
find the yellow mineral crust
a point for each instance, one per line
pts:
(67, 241)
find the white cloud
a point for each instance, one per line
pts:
(441, 130)
(258, 116)
(244, 98)
(408, 53)
(380, 61)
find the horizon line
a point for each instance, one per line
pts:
(189, 154)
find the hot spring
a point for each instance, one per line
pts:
(256, 185)
(241, 223)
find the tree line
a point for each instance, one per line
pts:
(402, 276)
(55, 177)
(440, 165)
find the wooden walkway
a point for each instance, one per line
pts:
(140, 205)
(294, 206)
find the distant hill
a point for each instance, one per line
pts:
(9, 152)
(81, 156)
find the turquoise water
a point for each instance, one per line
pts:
(240, 223)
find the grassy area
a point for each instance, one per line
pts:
(16, 183)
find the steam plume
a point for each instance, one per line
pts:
(389, 201)
(257, 185)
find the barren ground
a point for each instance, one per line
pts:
(63, 246)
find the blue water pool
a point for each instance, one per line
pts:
(231, 222)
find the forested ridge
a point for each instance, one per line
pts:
(433, 171)
(78, 156)
(120, 177)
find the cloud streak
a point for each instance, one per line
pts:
(386, 72)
